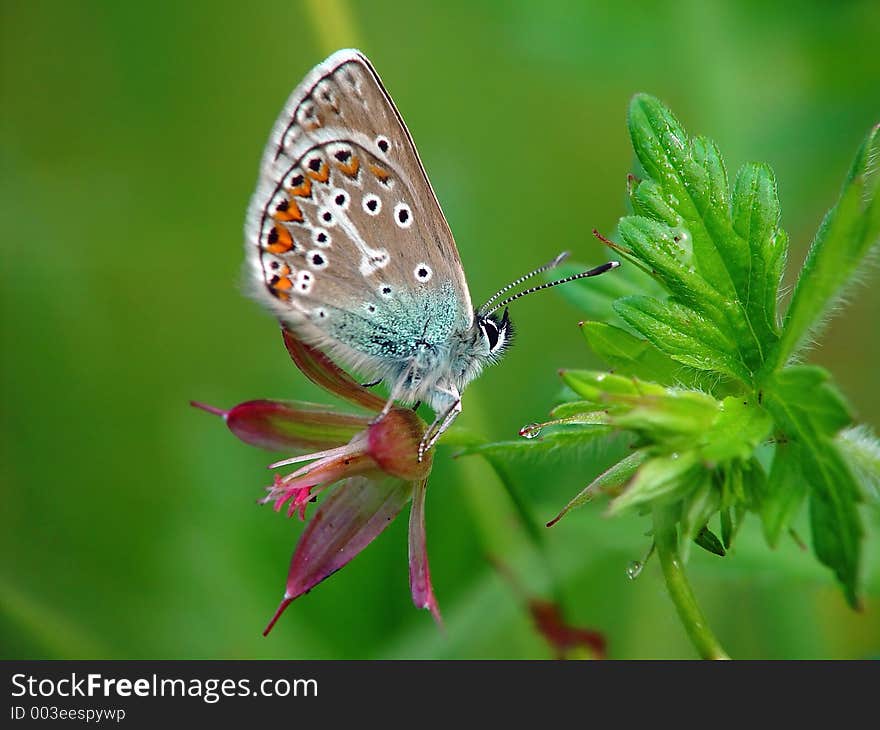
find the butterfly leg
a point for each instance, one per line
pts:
(441, 423)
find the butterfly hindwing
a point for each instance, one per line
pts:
(345, 239)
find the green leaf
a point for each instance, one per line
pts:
(739, 428)
(565, 442)
(675, 420)
(804, 394)
(575, 408)
(684, 335)
(727, 528)
(756, 220)
(811, 412)
(699, 505)
(688, 175)
(629, 355)
(668, 254)
(847, 233)
(784, 491)
(662, 479)
(608, 482)
(604, 388)
(707, 540)
(834, 519)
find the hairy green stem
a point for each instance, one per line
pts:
(666, 540)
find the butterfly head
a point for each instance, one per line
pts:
(495, 334)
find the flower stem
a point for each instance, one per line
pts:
(666, 540)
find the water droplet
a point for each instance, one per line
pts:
(634, 569)
(533, 430)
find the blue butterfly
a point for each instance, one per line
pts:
(346, 243)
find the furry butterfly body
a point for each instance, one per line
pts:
(346, 243)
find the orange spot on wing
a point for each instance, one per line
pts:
(279, 240)
(288, 211)
(322, 175)
(280, 287)
(351, 167)
(302, 191)
(381, 173)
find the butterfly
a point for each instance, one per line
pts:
(347, 245)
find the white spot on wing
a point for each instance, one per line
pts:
(317, 260)
(372, 204)
(326, 217)
(305, 280)
(423, 273)
(321, 238)
(340, 198)
(403, 215)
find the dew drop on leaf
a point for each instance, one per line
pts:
(532, 430)
(634, 569)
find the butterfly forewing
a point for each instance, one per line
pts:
(345, 238)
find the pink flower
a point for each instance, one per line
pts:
(372, 463)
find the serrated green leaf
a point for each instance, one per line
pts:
(784, 491)
(756, 221)
(648, 201)
(847, 233)
(666, 154)
(661, 479)
(684, 335)
(629, 355)
(669, 255)
(609, 482)
(861, 450)
(707, 540)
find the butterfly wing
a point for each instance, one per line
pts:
(345, 239)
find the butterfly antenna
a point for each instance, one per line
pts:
(525, 277)
(583, 275)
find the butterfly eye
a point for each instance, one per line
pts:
(490, 329)
(403, 215)
(372, 204)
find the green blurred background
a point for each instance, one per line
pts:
(129, 145)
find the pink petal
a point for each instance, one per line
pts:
(281, 426)
(345, 523)
(322, 371)
(419, 572)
